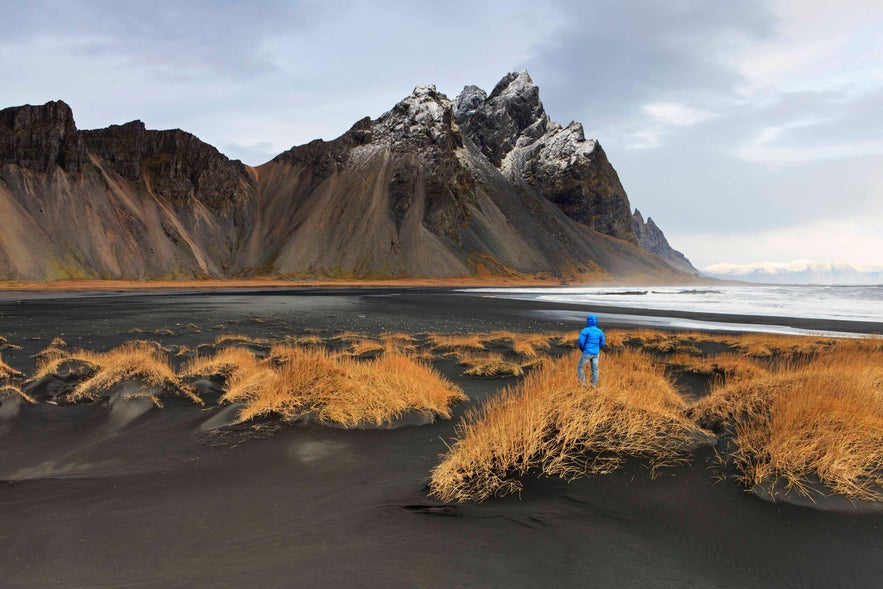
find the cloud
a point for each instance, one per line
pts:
(853, 240)
(673, 113)
(611, 58)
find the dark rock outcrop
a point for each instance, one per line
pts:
(652, 239)
(177, 165)
(40, 138)
(512, 129)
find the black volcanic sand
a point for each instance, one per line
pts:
(92, 498)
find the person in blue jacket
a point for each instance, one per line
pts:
(590, 342)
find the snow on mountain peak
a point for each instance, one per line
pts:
(797, 272)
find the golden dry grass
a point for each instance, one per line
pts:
(7, 371)
(524, 344)
(365, 346)
(489, 365)
(549, 424)
(665, 342)
(333, 388)
(765, 345)
(232, 338)
(728, 367)
(311, 339)
(820, 419)
(140, 362)
(348, 336)
(452, 342)
(9, 391)
(225, 362)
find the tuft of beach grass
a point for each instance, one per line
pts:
(330, 387)
(548, 424)
(815, 420)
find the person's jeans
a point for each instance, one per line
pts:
(581, 368)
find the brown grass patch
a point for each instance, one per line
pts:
(765, 345)
(309, 340)
(664, 342)
(9, 391)
(7, 371)
(130, 362)
(365, 346)
(224, 363)
(727, 367)
(549, 424)
(333, 388)
(489, 365)
(455, 342)
(820, 419)
(232, 338)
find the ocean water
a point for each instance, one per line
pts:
(845, 303)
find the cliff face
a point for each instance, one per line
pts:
(512, 129)
(652, 239)
(487, 184)
(41, 138)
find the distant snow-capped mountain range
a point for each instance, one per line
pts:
(798, 272)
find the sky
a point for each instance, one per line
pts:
(749, 131)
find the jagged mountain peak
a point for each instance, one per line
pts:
(424, 117)
(469, 99)
(512, 110)
(652, 239)
(516, 84)
(41, 137)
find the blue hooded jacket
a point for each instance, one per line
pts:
(591, 339)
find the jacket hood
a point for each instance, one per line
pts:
(591, 320)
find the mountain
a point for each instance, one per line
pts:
(652, 239)
(798, 272)
(485, 185)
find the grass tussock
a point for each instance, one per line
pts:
(814, 420)
(334, 388)
(664, 342)
(226, 339)
(365, 346)
(723, 367)
(549, 424)
(445, 342)
(310, 339)
(225, 362)
(9, 391)
(7, 372)
(765, 345)
(490, 365)
(529, 345)
(133, 361)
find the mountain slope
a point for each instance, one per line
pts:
(106, 204)
(486, 185)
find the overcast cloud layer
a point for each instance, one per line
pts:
(750, 131)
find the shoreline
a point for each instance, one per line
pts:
(200, 285)
(446, 305)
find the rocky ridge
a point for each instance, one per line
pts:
(484, 184)
(512, 129)
(651, 238)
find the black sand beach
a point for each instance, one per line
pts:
(92, 497)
